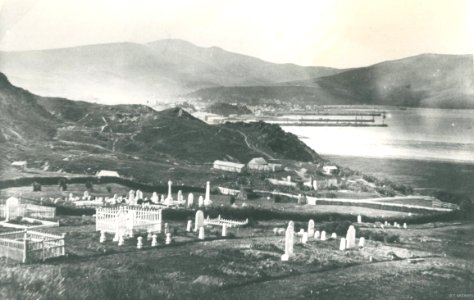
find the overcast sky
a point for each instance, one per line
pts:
(337, 33)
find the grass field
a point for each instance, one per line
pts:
(247, 266)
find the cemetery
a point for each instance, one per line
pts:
(201, 244)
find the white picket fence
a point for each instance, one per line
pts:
(128, 219)
(220, 222)
(31, 246)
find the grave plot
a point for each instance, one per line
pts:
(125, 220)
(31, 246)
(22, 216)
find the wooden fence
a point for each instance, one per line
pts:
(31, 246)
(220, 222)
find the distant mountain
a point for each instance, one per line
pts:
(137, 73)
(78, 135)
(428, 80)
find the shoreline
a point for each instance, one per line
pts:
(405, 158)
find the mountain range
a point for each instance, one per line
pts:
(137, 73)
(167, 70)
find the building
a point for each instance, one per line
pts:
(106, 173)
(19, 164)
(261, 165)
(319, 184)
(282, 182)
(329, 170)
(228, 166)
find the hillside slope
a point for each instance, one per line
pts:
(66, 133)
(429, 80)
(137, 73)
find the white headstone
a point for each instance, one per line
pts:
(342, 245)
(224, 230)
(202, 234)
(155, 198)
(300, 233)
(199, 220)
(154, 242)
(139, 242)
(189, 226)
(362, 242)
(200, 201)
(168, 239)
(311, 228)
(12, 208)
(162, 199)
(121, 241)
(169, 198)
(190, 199)
(304, 238)
(359, 219)
(103, 237)
(289, 238)
(323, 235)
(131, 196)
(207, 199)
(167, 229)
(405, 225)
(351, 237)
(334, 235)
(317, 235)
(180, 195)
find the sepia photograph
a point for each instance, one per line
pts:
(236, 149)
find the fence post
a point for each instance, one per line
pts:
(25, 247)
(63, 244)
(42, 249)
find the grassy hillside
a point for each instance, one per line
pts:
(429, 80)
(129, 72)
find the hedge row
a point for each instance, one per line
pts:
(25, 181)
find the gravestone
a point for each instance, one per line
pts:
(289, 241)
(207, 199)
(405, 225)
(190, 199)
(311, 228)
(103, 238)
(189, 226)
(12, 208)
(362, 242)
(199, 220)
(342, 245)
(86, 195)
(323, 235)
(224, 230)
(202, 234)
(154, 198)
(154, 242)
(317, 235)
(351, 237)
(304, 238)
(359, 219)
(139, 242)
(168, 239)
(138, 195)
(121, 241)
(334, 235)
(200, 201)
(180, 195)
(169, 198)
(131, 196)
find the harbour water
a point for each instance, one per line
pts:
(427, 148)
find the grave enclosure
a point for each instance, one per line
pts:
(128, 219)
(31, 246)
